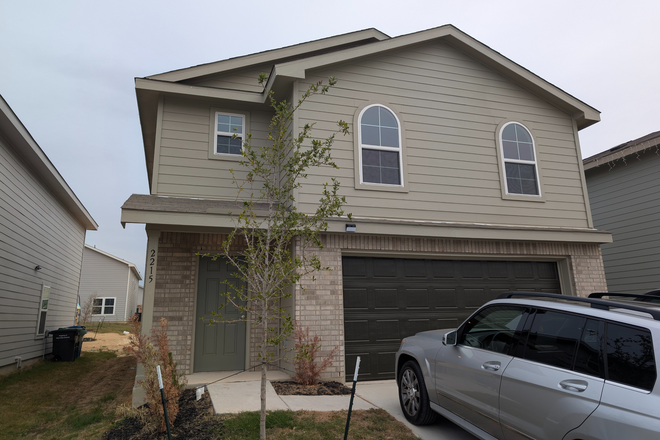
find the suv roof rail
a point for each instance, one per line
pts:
(595, 301)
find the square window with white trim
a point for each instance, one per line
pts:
(103, 306)
(229, 133)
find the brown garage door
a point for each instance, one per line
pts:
(387, 299)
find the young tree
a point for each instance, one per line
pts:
(278, 238)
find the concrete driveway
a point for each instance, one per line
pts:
(384, 394)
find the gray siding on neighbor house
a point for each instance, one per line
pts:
(106, 277)
(35, 229)
(625, 201)
(450, 107)
(184, 167)
(132, 297)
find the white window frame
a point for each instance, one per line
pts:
(217, 133)
(103, 306)
(42, 309)
(503, 161)
(398, 150)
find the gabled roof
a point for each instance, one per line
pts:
(293, 62)
(627, 148)
(27, 148)
(129, 264)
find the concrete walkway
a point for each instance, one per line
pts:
(242, 393)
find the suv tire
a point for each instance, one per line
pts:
(413, 397)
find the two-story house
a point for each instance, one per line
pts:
(43, 226)
(463, 175)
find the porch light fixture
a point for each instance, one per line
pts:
(351, 227)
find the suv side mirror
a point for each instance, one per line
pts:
(449, 338)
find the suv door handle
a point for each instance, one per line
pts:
(491, 365)
(574, 385)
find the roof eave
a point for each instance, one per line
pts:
(28, 149)
(365, 35)
(584, 114)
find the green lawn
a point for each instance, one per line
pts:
(65, 400)
(79, 400)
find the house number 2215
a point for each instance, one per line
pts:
(152, 263)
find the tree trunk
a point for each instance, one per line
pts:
(262, 423)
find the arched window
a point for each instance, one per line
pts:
(380, 146)
(519, 160)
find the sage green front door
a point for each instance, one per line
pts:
(219, 346)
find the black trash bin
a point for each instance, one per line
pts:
(65, 344)
(82, 331)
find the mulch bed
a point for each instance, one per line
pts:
(194, 421)
(290, 388)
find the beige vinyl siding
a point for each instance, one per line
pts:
(105, 277)
(244, 80)
(450, 107)
(35, 229)
(624, 200)
(184, 168)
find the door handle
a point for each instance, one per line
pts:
(574, 385)
(491, 365)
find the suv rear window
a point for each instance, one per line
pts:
(630, 357)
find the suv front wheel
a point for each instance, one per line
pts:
(413, 397)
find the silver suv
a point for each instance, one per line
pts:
(540, 366)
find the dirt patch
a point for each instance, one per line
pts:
(194, 421)
(290, 388)
(105, 342)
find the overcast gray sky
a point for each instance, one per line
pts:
(67, 69)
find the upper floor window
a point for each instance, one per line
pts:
(380, 147)
(519, 160)
(229, 133)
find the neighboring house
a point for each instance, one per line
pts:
(623, 187)
(463, 175)
(140, 298)
(42, 234)
(113, 281)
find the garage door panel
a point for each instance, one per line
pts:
(388, 299)
(384, 268)
(384, 299)
(356, 299)
(356, 331)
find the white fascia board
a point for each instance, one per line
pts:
(268, 56)
(469, 231)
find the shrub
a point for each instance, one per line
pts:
(150, 352)
(306, 362)
(86, 310)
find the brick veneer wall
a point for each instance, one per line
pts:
(319, 304)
